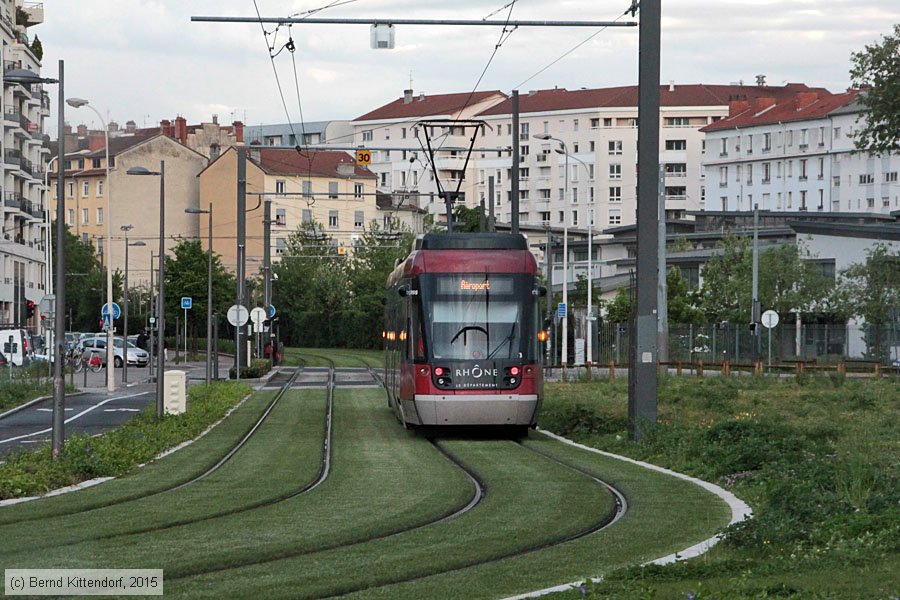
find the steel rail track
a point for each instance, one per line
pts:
(621, 507)
(217, 465)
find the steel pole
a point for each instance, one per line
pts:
(125, 320)
(161, 295)
(267, 269)
(565, 281)
(209, 299)
(241, 244)
(642, 382)
(59, 326)
(514, 172)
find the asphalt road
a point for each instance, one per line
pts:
(92, 412)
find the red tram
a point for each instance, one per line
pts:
(463, 330)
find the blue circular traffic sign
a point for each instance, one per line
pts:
(116, 311)
(271, 311)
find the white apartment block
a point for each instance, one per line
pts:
(24, 107)
(399, 145)
(797, 154)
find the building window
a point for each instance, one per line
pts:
(615, 171)
(333, 219)
(575, 125)
(99, 216)
(615, 216)
(595, 123)
(84, 216)
(358, 218)
(562, 216)
(95, 163)
(591, 146)
(333, 190)
(574, 217)
(866, 179)
(890, 177)
(70, 189)
(678, 122)
(358, 191)
(307, 189)
(767, 142)
(615, 194)
(767, 172)
(615, 147)
(574, 195)
(608, 122)
(280, 245)
(803, 169)
(723, 176)
(100, 187)
(84, 189)
(279, 186)
(71, 217)
(367, 136)
(306, 216)
(676, 144)
(100, 246)
(280, 217)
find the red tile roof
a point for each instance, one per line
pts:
(627, 96)
(287, 161)
(812, 104)
(436, 104)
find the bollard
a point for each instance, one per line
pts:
(678, 368)
(612, 370)
(699, 368)
(842, 368)
(85, 370)
(878, 369)
(726, 368)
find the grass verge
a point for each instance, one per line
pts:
(283, 455)
(816, 457)
(117, 452)
(342, 357)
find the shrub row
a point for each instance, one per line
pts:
(258, 367)
(115, 453)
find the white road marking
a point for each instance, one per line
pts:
(121, 410)
(72, 418)
(50, 409)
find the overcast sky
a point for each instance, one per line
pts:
(145, 60)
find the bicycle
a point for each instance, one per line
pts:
(78, 361)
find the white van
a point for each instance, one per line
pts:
(15, 347)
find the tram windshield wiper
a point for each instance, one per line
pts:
(507, 340)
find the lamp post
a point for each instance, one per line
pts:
(565, 282)
(161, 296)
(209, 292)
(25, 77)
(590, 304)
(126, 229)
(111, 377)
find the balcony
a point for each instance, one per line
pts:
(541, 158)
(449, 163)
(12, 157)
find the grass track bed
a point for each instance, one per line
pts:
(342, 357)
(529, 501)
(160, 475)
(283, 455)
(369, 491)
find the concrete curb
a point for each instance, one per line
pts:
(740, 511)
(16, 409)
(92, 482)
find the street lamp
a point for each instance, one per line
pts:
(25, 77)
(126, 229)
(209, 292)
(565, 300)
(590, 282)
(110, 378)
(161, 296)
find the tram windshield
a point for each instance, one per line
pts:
(479, 317)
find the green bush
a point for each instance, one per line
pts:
(258, 367)
(117, 452)
(19, 391)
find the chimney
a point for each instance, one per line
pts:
(346, 169)
(763, 103)
(532, 92)
(671, 85)
(181, 129)
(82, 130)
(422, 97)
(215, 119)
(165, 127)
(253, 153)
(407, 96)
(130, 126)
(238, 132)
(804, 99)
(113, 127)
(96, 141)
(736, 107)
(67, 129)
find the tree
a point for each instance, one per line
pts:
(373, 260)
(37, 48)
(467, 219)
(875, 288)
(681, 303)
(621, 307)
(187, 271)
(787, 282)
(84, 283)
(877, 70)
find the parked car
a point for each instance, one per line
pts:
(97, 344)
(14, 344)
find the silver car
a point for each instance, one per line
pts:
(97, 344)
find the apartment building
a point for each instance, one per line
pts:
(399, 142)
(131, 200)
(24, 243)
(300, 134)
(322, 187)
(793, 154)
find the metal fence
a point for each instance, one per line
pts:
(787, 342)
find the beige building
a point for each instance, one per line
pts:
(323, 187)
(133, 200)
(23, 244)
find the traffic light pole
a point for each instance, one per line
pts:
(267, 270)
